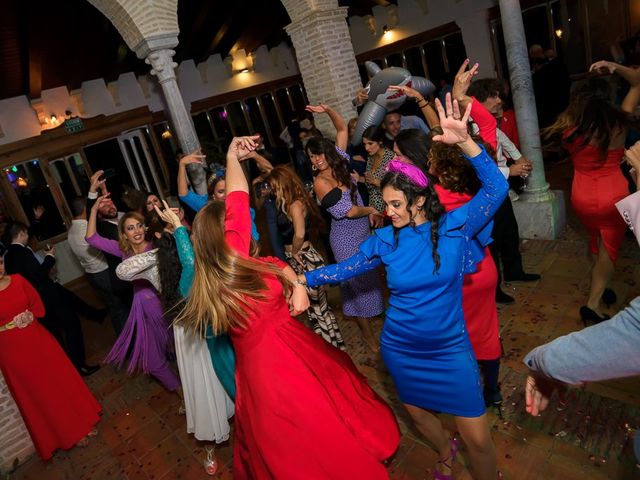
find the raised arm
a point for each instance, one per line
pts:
(631, 99)
(342, 132)
(97, 187)
(631, 75)
(192, 158)
(183, 246)
(462, 82)
(92, 236)
(494, 186)
(427, 110)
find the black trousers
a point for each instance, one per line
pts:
(118, 306)
(505, 248)
(64, 324)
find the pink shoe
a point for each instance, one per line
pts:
(448, 462)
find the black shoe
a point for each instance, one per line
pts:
(609, 297)
(503, 298)
(522, 277)
(493, 399)
(586, 314)
(87, 370)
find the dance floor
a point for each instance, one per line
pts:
(143, 436)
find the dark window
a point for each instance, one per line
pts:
(435, 62)
(284, 103)
(105, 155)
(394, 60)
(456, 53)
(237, 120)
(253, 110)
(220, 120)
(414, 61)
(269, 107)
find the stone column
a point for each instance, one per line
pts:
(325, 55)
(540, 211)
(163, 67)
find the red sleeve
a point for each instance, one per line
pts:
(34, 302)
(486, 122)
(237, 222)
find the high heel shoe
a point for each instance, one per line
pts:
(586, 314)
(609, 297)
(448, 462)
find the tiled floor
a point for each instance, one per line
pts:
(142, 436)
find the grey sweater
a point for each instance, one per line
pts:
(604, 351)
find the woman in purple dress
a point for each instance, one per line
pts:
(350, 222)
(146, 333)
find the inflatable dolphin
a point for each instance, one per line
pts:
(382, 100)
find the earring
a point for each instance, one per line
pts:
(314, 168)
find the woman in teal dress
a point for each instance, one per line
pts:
(426, 252)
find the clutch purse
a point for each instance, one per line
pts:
(629, 208)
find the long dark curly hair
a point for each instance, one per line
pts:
(337, 163)
(591, 118)
(169, 266)
(432, 206)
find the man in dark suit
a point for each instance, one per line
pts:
(60, 318)
(107, 226)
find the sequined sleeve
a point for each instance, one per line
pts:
(185, 254)
(141, 266)
(486, 202)
(339, 272)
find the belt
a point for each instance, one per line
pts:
(8, 326)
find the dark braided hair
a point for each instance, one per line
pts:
(432, 207)
(336, 162)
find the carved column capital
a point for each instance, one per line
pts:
(162, 64)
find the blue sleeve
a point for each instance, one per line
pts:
(194, 201)
(185, 254)
(339, 272)
(254, 229)
(484, 205)
(604, 351)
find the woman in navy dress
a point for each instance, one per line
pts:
(426, 252)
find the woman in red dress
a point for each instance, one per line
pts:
(302, 408)
(56, 405)
(593, 130)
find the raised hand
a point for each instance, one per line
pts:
(101, 200)
(603, 67)
(632, 156)
(241, 146)
(320, 108)
(96, 181)
(454, 126)
(463, 79)
(193, 157)
(168, 215)
(408, 91)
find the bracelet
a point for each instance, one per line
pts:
(300, 282)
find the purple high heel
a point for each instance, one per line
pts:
(448, 462)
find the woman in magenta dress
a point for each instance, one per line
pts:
(145, 337)
(593, 129)
(57, 407)
(302, 408)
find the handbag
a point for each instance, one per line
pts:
(629, 208)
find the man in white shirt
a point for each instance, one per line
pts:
(95, 265)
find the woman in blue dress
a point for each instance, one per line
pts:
(426, 252)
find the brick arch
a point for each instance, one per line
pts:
(139, 22)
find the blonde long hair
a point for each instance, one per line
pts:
(226, 285)
(287, 188)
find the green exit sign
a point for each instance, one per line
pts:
(73, 125)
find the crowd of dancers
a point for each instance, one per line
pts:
(426, 210)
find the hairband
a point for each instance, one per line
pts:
(413, 173)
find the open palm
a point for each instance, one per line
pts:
(454, 127)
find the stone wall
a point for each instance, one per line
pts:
(15, 442)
